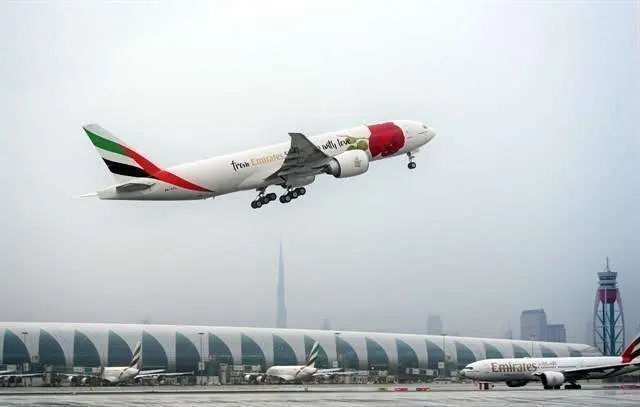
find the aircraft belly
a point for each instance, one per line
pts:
(160, 191)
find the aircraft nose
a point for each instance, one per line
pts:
(431, 133)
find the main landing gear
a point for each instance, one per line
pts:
(411, 164)
(263, 199)
(292, 194)
(572, 386)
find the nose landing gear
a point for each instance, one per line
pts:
(411, 164)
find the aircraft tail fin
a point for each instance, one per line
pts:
(313, 355)
(632, 351)
(136, 360)
(123, 162)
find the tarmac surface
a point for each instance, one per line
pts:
(321, 395)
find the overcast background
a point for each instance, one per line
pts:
(532, 179)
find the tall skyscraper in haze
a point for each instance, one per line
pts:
(281, 318)
(325, 325)
(556, 333)
(434, 325)
(588, 333)
(508, 334)
(533, 325)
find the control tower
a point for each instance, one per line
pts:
(608, 318)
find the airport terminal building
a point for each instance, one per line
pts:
(219, 351)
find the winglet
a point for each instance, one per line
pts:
(632, 351)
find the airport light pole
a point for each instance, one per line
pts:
(533, 339)
(337, 350)
(24, 339)
(201, 356)
(444, 356)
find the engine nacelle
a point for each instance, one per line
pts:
(348, 164)
(551, 379)
(516, 383)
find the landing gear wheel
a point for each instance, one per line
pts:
(272, 196)
(258, 202)
(264, 200)
(294, 194)
(411, 165)
(282, 198)
(253, 205)
(302, 191)
(287, 198)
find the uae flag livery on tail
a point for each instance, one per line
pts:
(126, 164)
(632, 351)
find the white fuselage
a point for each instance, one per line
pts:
(290, 373)
(248, 170)
(528, 369)
(118, 374)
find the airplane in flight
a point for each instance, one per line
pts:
(291, 165)
(554, 372)
(303, 373)
(113, 375)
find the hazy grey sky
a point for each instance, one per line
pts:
(531, 181)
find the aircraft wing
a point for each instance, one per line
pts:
(144, 373)
(333, 372)
(609, 370)
(133, 186)
(20, 374)
(303, 159)
(153, 374)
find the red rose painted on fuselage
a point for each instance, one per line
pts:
(386, 139)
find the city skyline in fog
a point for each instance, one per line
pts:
(531, 181)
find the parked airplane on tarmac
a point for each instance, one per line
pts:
(122, 374)
(554, 372)
(291, 165)
(303, 373)
(11, 377)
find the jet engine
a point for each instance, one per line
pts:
(348, 164)
(552, 379)
(516, 383)
(254, 379)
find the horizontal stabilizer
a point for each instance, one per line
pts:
(90, 194)
(135, 186)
